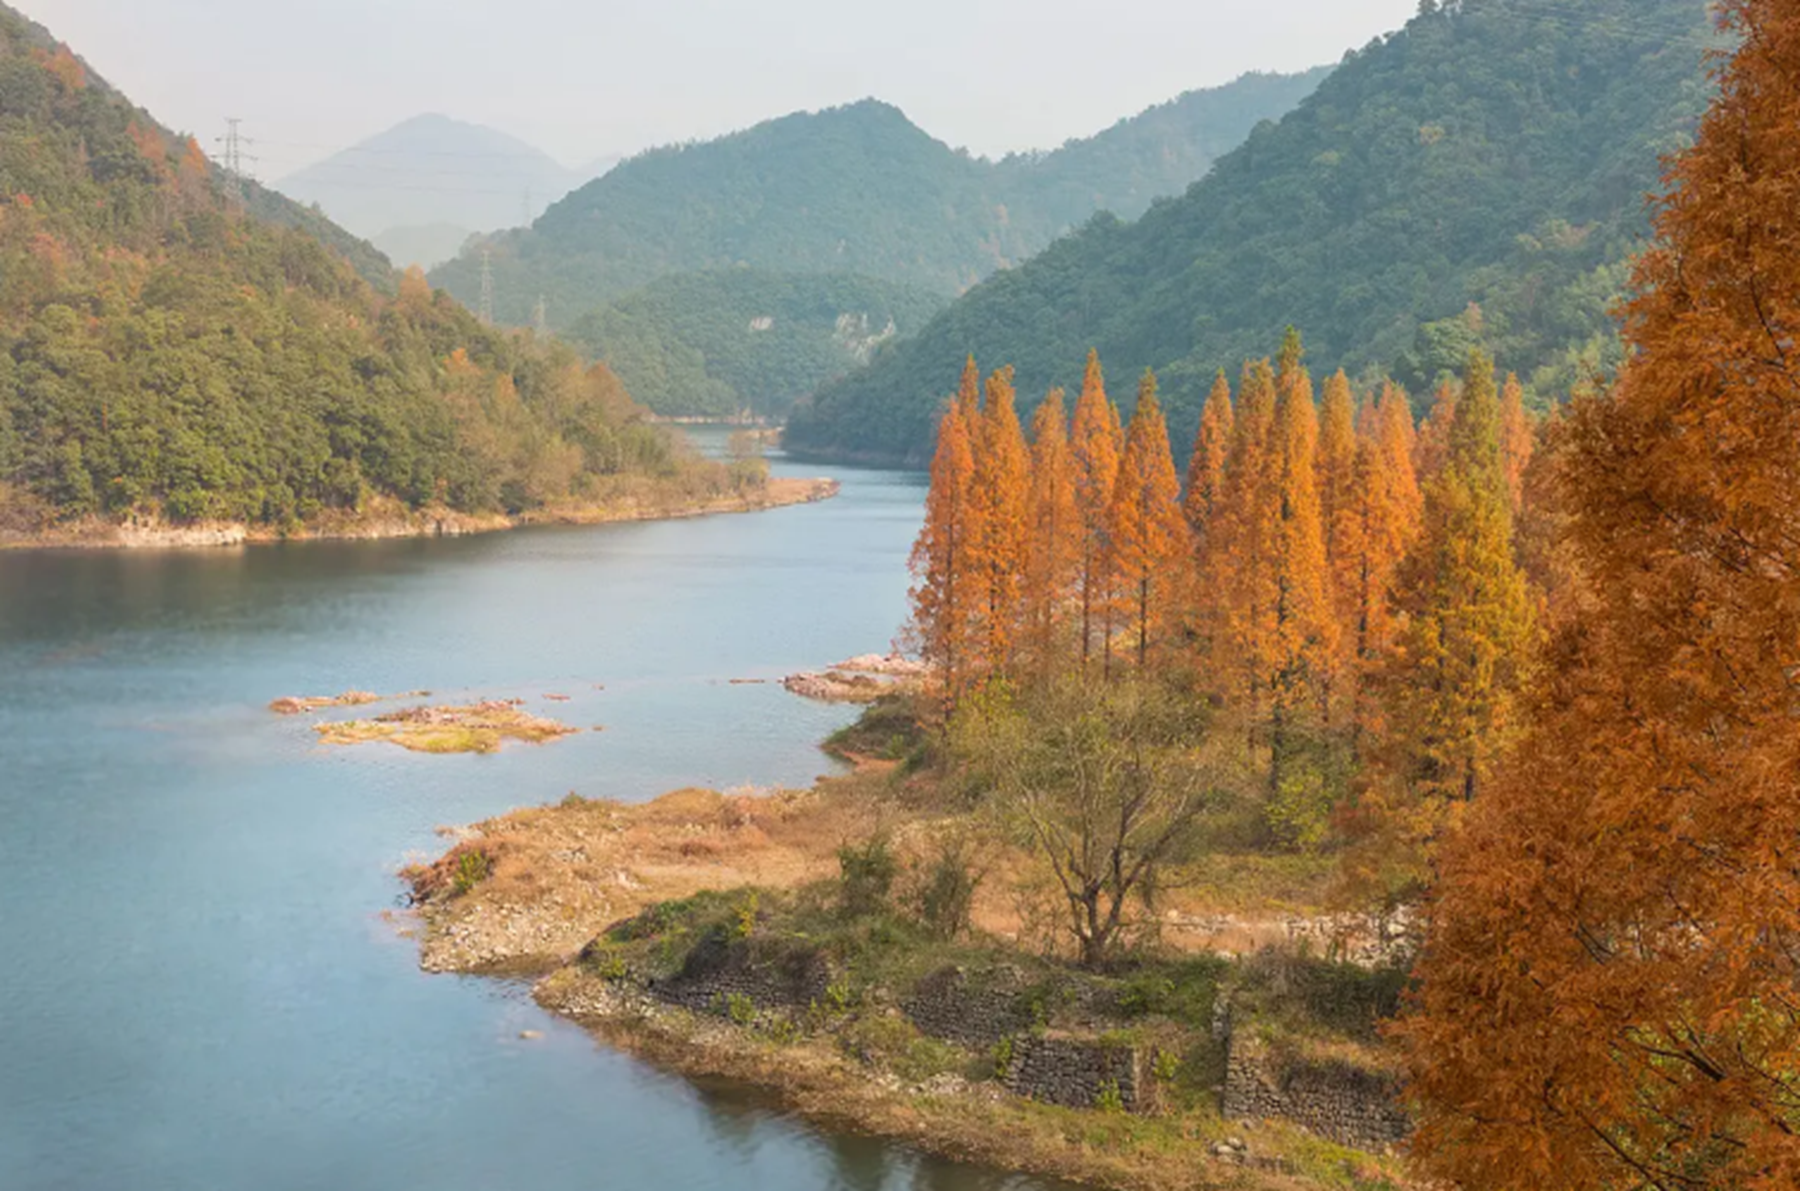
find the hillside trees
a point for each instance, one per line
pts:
(171, 354)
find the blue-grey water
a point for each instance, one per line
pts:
(198, 986)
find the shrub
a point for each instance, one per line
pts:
(1108, 1099)
(946, 894)
(866, 877)
(472, 868)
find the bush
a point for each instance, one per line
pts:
(866, 877)
(946, 894)
(472, 868)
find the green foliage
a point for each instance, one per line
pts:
(163, 351)
(719, 342)
(946, 892)
(1493, 153)
(1107, 1099)
(745, 925)
(1166, 1066)
(1183, 991)
(739, 1008)
(472, 868)
(855, 189)
(892, 1042)
(1003, 1056)
(866, 877)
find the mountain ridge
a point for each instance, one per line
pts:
(1490, 156)
(856, 188)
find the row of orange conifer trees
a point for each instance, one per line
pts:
(1325, 565)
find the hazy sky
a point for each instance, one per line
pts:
(583, 78)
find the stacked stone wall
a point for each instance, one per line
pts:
(1072, 1071)
(1346, 1103)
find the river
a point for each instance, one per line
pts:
(201, 982)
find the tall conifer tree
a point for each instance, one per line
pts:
(1206, 466)
(1305, 633)
(1469, 614)
(1340, 520)
(1516, 440)
(1240, 577)
(1054, 553)
(1151, 545)
(998, 531)
(1095, 442)
(944, 589)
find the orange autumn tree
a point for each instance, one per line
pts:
(1608, 990)
(943, 593)
(1304, 634)
(1053, 551)
(1148, 538)
(1340, 521)
(1469, 615)
(998, 531)
(968, 396)
(1206, 466)
(1239, 596)
(1399, 441)
(1095, 442)
(1516, 440)
(1431, 446)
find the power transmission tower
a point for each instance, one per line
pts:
(487, 286)
(540, 318)
(528, 208)
(234, 142)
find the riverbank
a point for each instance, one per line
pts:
(386, 518)
(716, 936)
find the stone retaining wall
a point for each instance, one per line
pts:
(719, 968)
(971, 1009)
(1072, 1071)
(1350, 1105)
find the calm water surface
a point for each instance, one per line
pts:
(197, 986)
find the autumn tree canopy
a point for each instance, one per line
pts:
(1608, 995)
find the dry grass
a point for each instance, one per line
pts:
(473, 728)
(559, 875)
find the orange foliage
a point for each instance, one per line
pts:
(1206, 466)
(998, 532)
(1053, 556)
(1515, 440)
(1432, 443)
(1150, 546)
(1608, 994)
(1096, 441)
(943, 593)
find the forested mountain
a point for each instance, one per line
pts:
(723, 341)
(421, 188)
(1495, 152)
(165, 353)
(855, 189)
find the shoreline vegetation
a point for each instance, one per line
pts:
(785, 941)
(383, 518)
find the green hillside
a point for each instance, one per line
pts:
(1495, 152)
(716, 343)
(163, 353)
(855, 189)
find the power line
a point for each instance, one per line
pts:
(234, 142)
(540, 318)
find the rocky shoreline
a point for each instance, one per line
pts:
(387, 520)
